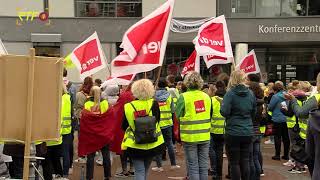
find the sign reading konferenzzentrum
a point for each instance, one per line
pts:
(267, 29)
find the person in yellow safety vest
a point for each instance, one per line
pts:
(302, 112)
(194, 113)
(166, 106)
(217, 132)
(96, 105)
(141, 154)
(51, 164)
(66, 129)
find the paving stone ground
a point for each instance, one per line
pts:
(274, 170)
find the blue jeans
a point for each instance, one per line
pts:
(167, 136)
(197, 160)
(141, 167)
(216, 154)
(256, 154)
(67, 143)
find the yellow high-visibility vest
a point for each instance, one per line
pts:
(165, 113)
(196, 123)
(217, 120)
(66, 114)
(303, 122)
(104, 106)
(129, 140)
(291, 121)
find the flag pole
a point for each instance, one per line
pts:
(145, 75)
(158, 76)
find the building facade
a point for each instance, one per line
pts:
(284, 33)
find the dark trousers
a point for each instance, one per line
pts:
(167, 135)
(67, 143)
(51, 164)
(216, 154)
(106, 163)
(238, 149)
(313, 149)
(281, 134)
(124, 161)
(16, 167)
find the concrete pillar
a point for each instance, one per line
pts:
(241, 51)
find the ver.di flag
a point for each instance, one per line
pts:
(88, 57)
(3, 50)
(121, 80)
(249, 64)
(213, 39)
(211, 60)
(144, 43)
(191, 64)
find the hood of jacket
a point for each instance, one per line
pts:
(315, 119)
(240, 90)
(162, 95)
(280, 96)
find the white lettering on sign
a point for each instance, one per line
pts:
(188, 67)
(249, 67)
(263, 29)
(89, 62)
(210, 41)
(151, 47)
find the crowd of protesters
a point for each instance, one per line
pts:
(228, 117)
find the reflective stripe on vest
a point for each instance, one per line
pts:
(66, 114)
(195, 124)
(165, 113)
(128, 140)
(217, 120)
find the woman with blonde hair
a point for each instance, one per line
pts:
(239, 108)
(98, 106)
(143, 139)
(194, 113)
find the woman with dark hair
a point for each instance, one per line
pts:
(217, 132)
(81, 98)
(256, 169)
(279, 122)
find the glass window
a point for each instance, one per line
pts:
(268, 8)
(242, 6)
(109, 8)
(314, 7)
(293, 8)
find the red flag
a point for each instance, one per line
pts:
(88, 56)
(249, 64)
(211, 60)
(125, 97)
(121, 80)
(97, 130)
(144, 43)
(213, 39)
(191, 64)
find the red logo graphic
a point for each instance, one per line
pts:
(212, 36)
(199, 106)
(89, 56)
(141, 113)
(162, 103)
(248, 64)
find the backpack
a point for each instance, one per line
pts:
(145, 128)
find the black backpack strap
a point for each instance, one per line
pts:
(146, 111)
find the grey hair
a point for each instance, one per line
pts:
(143, 89)
(193, 80)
